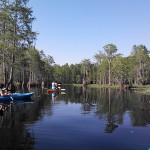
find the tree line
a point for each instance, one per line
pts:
(21, 63)
(111, 68)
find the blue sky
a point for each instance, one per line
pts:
(73, 30)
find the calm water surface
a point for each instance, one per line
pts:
(78, 119)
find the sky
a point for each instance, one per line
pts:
(73, 30)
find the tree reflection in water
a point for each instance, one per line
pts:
(114, 104)
(12, 130)
(111, 125)
(86, 105)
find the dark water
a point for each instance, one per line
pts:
(78, 119)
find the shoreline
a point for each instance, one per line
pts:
(144, 89)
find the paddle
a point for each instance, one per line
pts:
(62, 89)
(11, 97)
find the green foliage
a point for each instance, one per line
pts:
(110, 49)
(142, 62)
(22, 62)
(16, 36)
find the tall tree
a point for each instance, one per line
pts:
(99, 57)
(19, 28)
(110, 49)
(85, 68)
(5, 44)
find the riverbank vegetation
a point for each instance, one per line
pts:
(144, 89)
(23, 64)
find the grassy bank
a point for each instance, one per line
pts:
(144, 89)
(98, 86)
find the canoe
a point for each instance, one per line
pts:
(16, 96)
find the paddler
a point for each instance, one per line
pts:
(53, 86)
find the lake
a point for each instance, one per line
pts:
(77, 119)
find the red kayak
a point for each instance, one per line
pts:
(50, 91)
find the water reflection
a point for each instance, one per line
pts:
(111, 118)
(86, 105)
(100, 109)
(54, 96)
(108, 105)
(5, 111)
(12, 132)
(15, 115)
(114, 104)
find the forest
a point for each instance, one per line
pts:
(22, 64)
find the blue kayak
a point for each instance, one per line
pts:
(16, 96)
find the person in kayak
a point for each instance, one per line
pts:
(53, 85)
(1, 89)
(4, 92)
(1, 92)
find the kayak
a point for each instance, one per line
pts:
(49, 91)
(16, 96)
